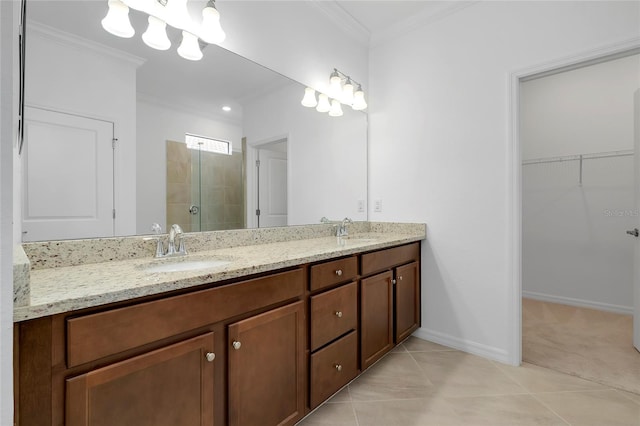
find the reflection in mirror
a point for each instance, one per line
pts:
(102, 113)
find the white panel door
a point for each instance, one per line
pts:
(67, 177)
(272, 188)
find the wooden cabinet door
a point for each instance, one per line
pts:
(407, 309)
(266, 368)
(376, 317)
(170, 386)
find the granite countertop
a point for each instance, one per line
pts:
(61, 289)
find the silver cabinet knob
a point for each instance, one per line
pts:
(210, 356)
(236, 345)
(400, 277)
(393, 281)
(338, 367)
(339, 272)
(339, 314)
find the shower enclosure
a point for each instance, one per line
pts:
(205, 190)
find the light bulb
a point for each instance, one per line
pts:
(156, 34)
(177, 14)
(309, 99)
(335, 84)
(336, 108)
(211, 32)
(358, 100)
(189, 48)
(323, 103)
(117, 20)
(347, 92)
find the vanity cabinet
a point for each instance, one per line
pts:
(389, 300)
(262, 350)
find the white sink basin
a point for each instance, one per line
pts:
(181, 265)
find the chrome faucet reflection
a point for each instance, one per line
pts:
(176, 239)
(340, 226)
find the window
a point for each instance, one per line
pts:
(203, 143)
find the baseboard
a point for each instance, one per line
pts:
(474, 348)
(580, 303)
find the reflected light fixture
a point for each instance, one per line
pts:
(117, 20)
(309, 99)
(336, 108)
(341, 90)
(162, 13)
(156, 34)
(323, 103)
(189, 48)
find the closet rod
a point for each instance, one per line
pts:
(582, 157)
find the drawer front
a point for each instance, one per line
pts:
(106, 333)
(335, 272)
(333, 367)
(333, 313)
(384, 259)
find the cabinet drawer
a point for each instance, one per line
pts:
(333, 367)
(98, 335)
(335, 272)
(333, 313)
(388, 258)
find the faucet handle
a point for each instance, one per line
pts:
(156, 228)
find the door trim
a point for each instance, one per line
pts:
(514, 177)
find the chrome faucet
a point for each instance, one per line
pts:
(176, 235)
(340, 226)
(342, 229)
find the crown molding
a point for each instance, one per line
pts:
(343, 20)
(420, 19)
(63, 37)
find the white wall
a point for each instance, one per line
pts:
(575, 249)
(327, 165)
(581, 111)
(67, 60)
(156, 124)
(8, 113)
(294, 38)
(439, 149)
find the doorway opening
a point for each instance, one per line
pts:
(577, 182)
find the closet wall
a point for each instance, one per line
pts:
(578, 196)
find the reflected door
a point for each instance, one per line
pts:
(272, 186)
(67, 172)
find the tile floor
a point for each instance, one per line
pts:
(587, 343)
(421, 383)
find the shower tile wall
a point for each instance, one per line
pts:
(221, 189)
(222, 195)
(178, 185)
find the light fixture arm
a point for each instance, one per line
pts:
(345, 77)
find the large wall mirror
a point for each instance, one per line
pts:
(106, 120)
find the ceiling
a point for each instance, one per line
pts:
(378, 20)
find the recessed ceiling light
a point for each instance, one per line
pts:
(226, 108)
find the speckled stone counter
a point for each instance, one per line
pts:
(70, 275)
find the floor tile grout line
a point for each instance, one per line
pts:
(624, 394)
(550, 409)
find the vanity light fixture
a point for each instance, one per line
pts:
(341, 88)
(163, 12)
